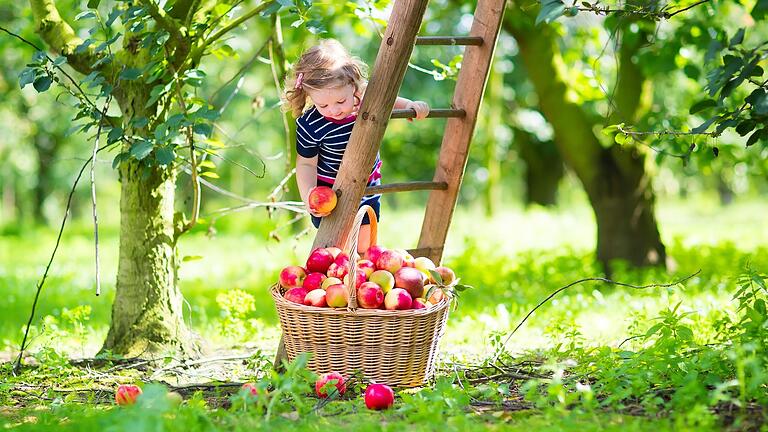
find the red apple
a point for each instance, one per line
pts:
(374, 252)
(319, 261)
(370, 296)
(321, 199)
(446, 274)
(330, 281)
(384, 279)
(336, 296)
(390, 260)
(338, 271)
(398, 299)
(411, 280)
(250, 388)
(296, 295)
(379, 396)
(366, 266)
(126, 394)
(328, 381)
(313, 281)
(424, 265)
(316, 298)
(437, 296)
(334, 251)
(292, 277)
(420, 303)
(359, 279)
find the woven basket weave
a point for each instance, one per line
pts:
(398, 348)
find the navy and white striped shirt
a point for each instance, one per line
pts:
(327, 139)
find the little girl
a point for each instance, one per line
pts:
(334, 83)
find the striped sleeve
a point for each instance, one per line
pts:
(306, 144)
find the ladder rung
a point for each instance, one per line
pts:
(433, 113)
(426, 251)
(406, 187)
(449, 40)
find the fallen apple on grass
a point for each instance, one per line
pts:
(126, 394)
(326, 382)
(379, 397)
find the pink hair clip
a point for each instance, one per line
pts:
(299, 80)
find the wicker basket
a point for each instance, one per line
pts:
(398, 348)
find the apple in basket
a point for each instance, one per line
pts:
(446, 274)
(338, 270)
(292, 277)
(390, 261)
(313, 281)
(373, 253)
(370, 296)
(359, 279)
(334, 251)
(384, 279)
(330, 281)
(326, 382)
(437, 296)
(336, 296)
(366, 266)
(316, 298)
(420, 303)
(319, 260)
(296, 295)
(379, 396)
(424, 264)
(398, 299)
(410, 279)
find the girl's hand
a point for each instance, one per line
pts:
(421, 108)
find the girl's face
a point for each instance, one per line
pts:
(336, 103)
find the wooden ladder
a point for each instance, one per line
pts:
(376, 110)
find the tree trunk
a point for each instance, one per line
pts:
(544, 169)
(147, 311)
(615, 179)
(46, 146)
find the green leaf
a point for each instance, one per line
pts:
(188, 258)
(436, 276)
(203, 129)
(115, 134)
(760, 11)
(119, 159)
(85, 15)
(42, 83)
(27, 76)
(745, 127)
(704, 126)
(685, 333)
(165, 155)
(210, 174)
(130, 74)
(702, 105)
(737, 39)
(753, 138)
(271, 8)
(141, 149)
(550, 11)
(93, 4)
(621, 138)
(651, 331)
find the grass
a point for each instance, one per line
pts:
(513, 260)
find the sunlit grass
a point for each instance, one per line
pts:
(513, 260)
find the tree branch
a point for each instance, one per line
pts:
(60, 36)
(234, 24)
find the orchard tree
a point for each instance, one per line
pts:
(145, 57)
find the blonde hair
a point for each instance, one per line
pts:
(325, 65)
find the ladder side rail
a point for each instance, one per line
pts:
(454, 150)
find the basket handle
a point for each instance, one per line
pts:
(351, 245)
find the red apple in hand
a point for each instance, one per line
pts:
(292, 277)
(319, 261)
(321, 199)
(329, 380)
(370, 296)
(126, 394)
(379, 397)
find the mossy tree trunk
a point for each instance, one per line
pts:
(543, 168)
(616, 178)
